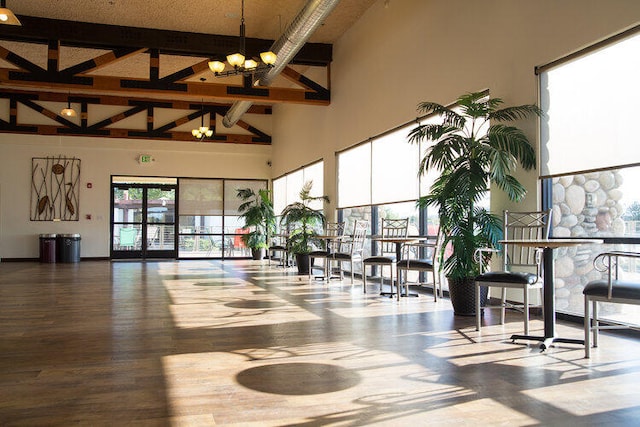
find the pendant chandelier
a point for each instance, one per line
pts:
(203, 131)
(7, 17)
(242, 65)
(68, 112)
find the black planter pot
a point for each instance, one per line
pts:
(303, 261)
(463, 296)
(259, 253)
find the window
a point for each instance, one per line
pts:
(286, 189)
(209, 226)
(590, 162)
(379, 179)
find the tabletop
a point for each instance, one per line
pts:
(551, 243)
(330, 236)
(398, 239)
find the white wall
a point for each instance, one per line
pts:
(416, 50)
(101, 158)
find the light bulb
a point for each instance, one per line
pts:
(235, 59)
(268, 58)
(216, 66)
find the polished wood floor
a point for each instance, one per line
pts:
(201, 343)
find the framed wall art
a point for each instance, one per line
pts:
(55, 189)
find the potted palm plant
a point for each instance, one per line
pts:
(303, 223)
(472, 149)
(257, 212)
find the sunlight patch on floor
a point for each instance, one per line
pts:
(580, 401)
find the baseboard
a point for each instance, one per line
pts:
(38, 259)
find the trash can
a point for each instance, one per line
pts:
(68, 247)
(48, 248)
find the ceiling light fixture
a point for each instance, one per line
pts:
(242, 66)
(203, 131)
(6, 15)
(68, 112)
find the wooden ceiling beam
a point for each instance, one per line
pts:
(143, 87)
(102, 36)
(165, 131)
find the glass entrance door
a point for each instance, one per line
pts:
(143, 221)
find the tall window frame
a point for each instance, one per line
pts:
(286, 188)
(588, 160)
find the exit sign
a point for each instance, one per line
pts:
(145, 158)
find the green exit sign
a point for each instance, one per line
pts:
(145, 158)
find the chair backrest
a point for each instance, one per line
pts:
(334, 229)
(128, 236)
(279, 239)
(426, 249)
(355, 244)
(360, 229)
(524, 225)
(393, 228)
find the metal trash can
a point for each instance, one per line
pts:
(68, 247)
(48, 248)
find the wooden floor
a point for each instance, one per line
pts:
(201, 343)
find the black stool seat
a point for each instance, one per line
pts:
(508, 277)
(380, 259)
(620, 289)
(415, 263)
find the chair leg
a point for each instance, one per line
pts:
(526, 311)
(398, 288)
(435, 286)
(478, 320)
(352, 274)
(587, 327)
(596, 323)
(503, 305)
(364, 279)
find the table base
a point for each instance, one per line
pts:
(546, 342)
(391, 294)
(411, 294)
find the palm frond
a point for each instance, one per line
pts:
(512, 187)
(449, 116)
(515, 113)
(512, 140)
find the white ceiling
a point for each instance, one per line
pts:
(263, 18)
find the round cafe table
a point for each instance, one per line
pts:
(549, 302)
(329, 241)
(399, 241)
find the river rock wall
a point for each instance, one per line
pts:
(584, 205)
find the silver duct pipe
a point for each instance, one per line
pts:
(286, 47)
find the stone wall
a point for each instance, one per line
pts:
(584, 205)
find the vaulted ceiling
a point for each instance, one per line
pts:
(118, 60)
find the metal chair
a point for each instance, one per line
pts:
(351, 249)
(333, 232)
(128, 238)
(611, 289)
(278, 244)
(387, 254)
(421, 256)
(521, 266)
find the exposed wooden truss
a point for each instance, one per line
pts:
(106, 78)
(35, 102)
(81, 77)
